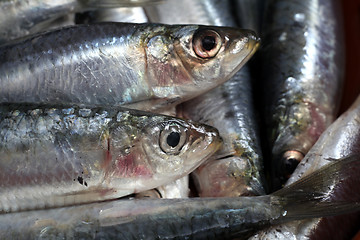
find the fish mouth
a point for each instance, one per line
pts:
(205, 142)
(251, 46)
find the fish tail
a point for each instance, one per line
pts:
(310, 196)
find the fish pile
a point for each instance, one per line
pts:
(140, 119)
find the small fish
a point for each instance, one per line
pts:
(303, 73)
(192, 218)
(19, 18)
(228, 107)
(340, 139)
(143, 66)
(59, 156)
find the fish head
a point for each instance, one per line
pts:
(184, 61)
(175, 147)
(150, 150)
(212, 55)
(297, 131)
(232, 176)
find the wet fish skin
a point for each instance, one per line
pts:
(238, 168)
(204, 12)
(198, 218)
(303, 71)
(249, 13)
(142, 66)
(339, 140)
(19, 18)
(176, 189)
(124, 14)
(59, 156)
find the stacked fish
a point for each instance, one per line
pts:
(101, 100)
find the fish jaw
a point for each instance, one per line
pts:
(185, 71)
(227, 177)
(202, 142)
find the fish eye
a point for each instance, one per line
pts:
(206, 43)
(289, 161)
(172, 138)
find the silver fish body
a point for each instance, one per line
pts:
(60, 156)
(191, 12)
(133, 15)
(196, 218)
(340, 139)
(19, 18)
(143, 66)
(176, 189)
(124, 14)
(303, 71)
(250, 13)
(228, 107)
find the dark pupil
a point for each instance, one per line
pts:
(290, 165)
(208, 43)
(173, 139)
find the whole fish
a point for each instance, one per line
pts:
(192, 218)
(303, 71)
(339, 140)
(19, 18)
(58, 156)
(143, 66)
(229, 108)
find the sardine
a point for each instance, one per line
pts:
(192, 218)
(339, 140)
(229, 108)
(58, 156)
(19, 18)
(303, 71)
(143, 66)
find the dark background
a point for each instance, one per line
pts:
(351, 10)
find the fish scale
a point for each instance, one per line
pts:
(118, 64)
(20, 18)
(192, 218)
(302, 73)
(339, 140)
(228, 107)
(59, 156)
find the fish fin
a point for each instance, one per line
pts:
(119, 3)
(309, 197)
